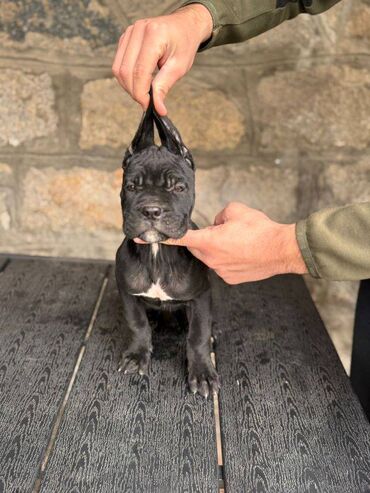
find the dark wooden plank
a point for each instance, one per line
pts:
(124, 433)
(4, 262)
(290, 421)
(45, 309)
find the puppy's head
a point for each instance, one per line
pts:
(157, 195)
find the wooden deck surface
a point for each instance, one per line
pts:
(69, 422)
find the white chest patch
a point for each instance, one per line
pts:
(155, 248)
(155, 291)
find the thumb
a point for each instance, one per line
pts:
(170, 72)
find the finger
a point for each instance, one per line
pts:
(184, 241)
(193, 238)
(131, 53)
(171, 71)
(117, 63)
(146, 63)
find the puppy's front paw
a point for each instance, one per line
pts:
(203, 377)
(135, 361)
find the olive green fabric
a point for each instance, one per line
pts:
(335, 243)
(239, 20)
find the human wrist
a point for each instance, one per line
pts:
(201, 17)
(291, 258)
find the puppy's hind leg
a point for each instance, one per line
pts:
(137, 336)
(202, 375)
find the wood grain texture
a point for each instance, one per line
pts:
(127, 433)
(4, 261)
(290, 421)
(45, 309)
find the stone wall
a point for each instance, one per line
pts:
(280, 122)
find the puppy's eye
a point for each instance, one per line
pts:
(130, 187)
(179, 187)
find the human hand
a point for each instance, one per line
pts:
(245, 245)
(169, 42)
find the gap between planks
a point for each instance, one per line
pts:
(59, 416)
(216, 413)
(4, 264)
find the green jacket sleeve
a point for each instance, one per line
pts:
(238, 20)
(335, 243)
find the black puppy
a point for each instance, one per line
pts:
(157, 199)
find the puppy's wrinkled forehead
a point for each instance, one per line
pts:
(156, 165)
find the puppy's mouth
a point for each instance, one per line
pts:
(154, 231)
(152, 236)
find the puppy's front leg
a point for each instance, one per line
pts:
(202, 377)
(137, 336)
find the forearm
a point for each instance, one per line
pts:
(335, 243)
(238, 20)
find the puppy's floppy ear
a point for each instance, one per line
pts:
(144, 136)
(168, 133)
(171, 138)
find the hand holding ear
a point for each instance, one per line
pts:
(168, 43)
(245, 245)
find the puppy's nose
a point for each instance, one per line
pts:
(152, 211)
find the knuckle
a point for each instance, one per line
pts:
(180, 70)
(178, 66)
(160, 89)
(153, 26)
(139, 71)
